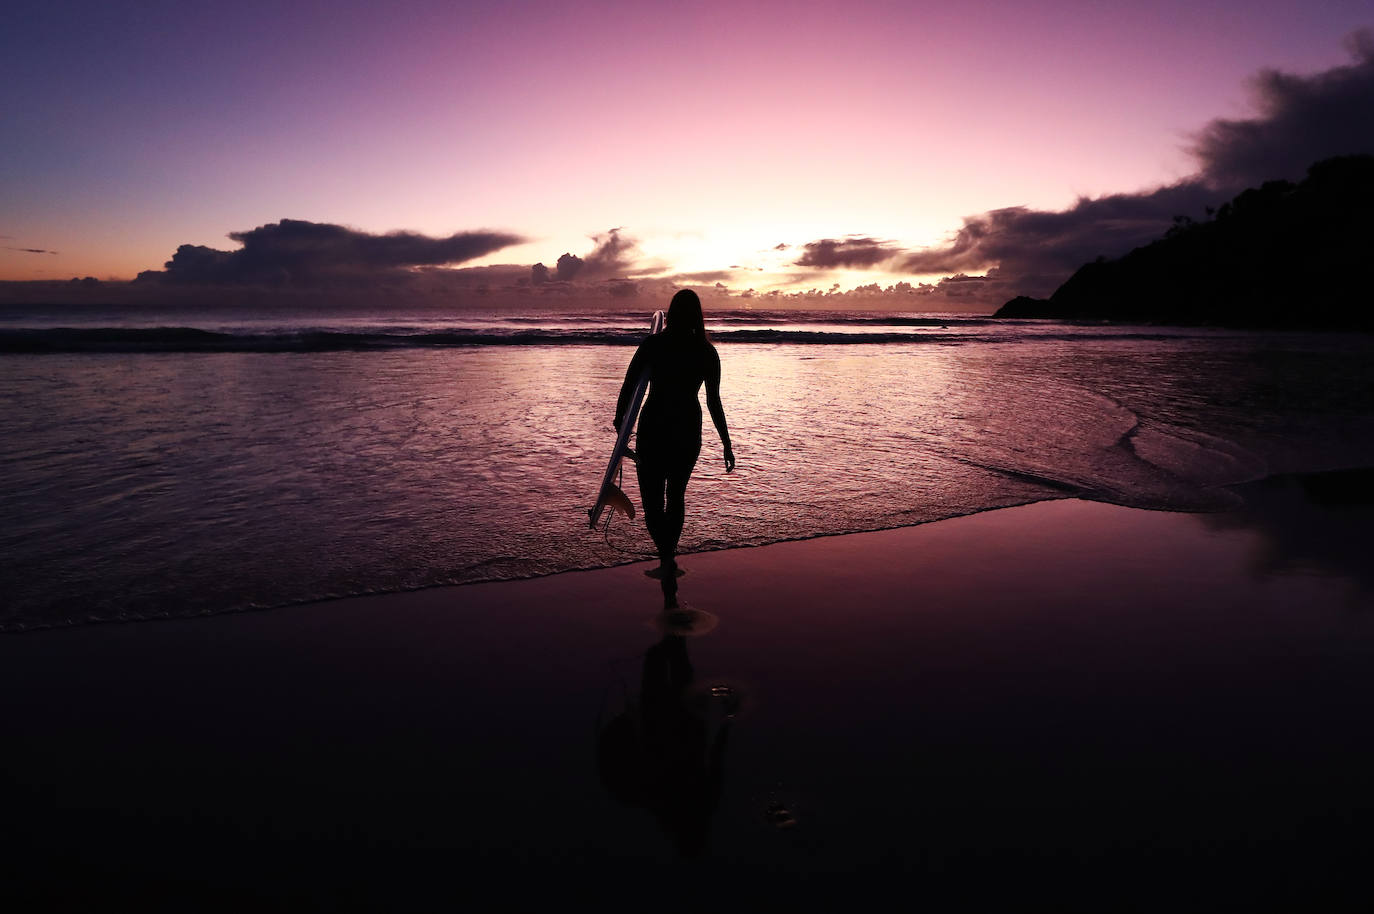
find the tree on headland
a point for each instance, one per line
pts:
(1279, 255)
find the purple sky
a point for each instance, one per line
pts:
(721, 139)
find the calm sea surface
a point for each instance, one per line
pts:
(158, 465)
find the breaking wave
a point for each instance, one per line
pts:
(193, 339)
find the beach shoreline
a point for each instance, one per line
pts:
(188, 484)
(1102, 704)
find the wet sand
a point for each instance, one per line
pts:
(1062, 706)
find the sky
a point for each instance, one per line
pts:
(768, 147)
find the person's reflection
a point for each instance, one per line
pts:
(662, 755)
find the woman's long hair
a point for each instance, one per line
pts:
(685, 317)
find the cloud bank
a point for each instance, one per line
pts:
(314, 264)
(993, 256)
(1302, 119)
(298, 251)
(1023, 251)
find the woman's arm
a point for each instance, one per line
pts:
(713, 404)
(627, 389)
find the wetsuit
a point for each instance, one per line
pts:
(669, 440)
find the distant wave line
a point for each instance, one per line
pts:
(718, 319)
(192, 339)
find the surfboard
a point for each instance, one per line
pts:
(609, 495)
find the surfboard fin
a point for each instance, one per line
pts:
(618, 501)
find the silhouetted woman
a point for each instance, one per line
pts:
(680, 360)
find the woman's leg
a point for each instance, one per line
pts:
(662, 489)
(675, 511)
(652, 481)
(675, 492)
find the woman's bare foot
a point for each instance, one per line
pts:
(658, 571)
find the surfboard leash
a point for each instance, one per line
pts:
(610, 515)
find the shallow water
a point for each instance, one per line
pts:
(143, 484)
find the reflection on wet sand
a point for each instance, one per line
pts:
(663, 751)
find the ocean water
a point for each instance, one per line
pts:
(158, 464)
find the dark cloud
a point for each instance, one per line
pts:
(613, 256)
(295, 250)
(614, 253)
(29, 250)
(569, 265)
(196, 263)
(1302, 119)
(781, 247)
(830, 253)
(1039, 248)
